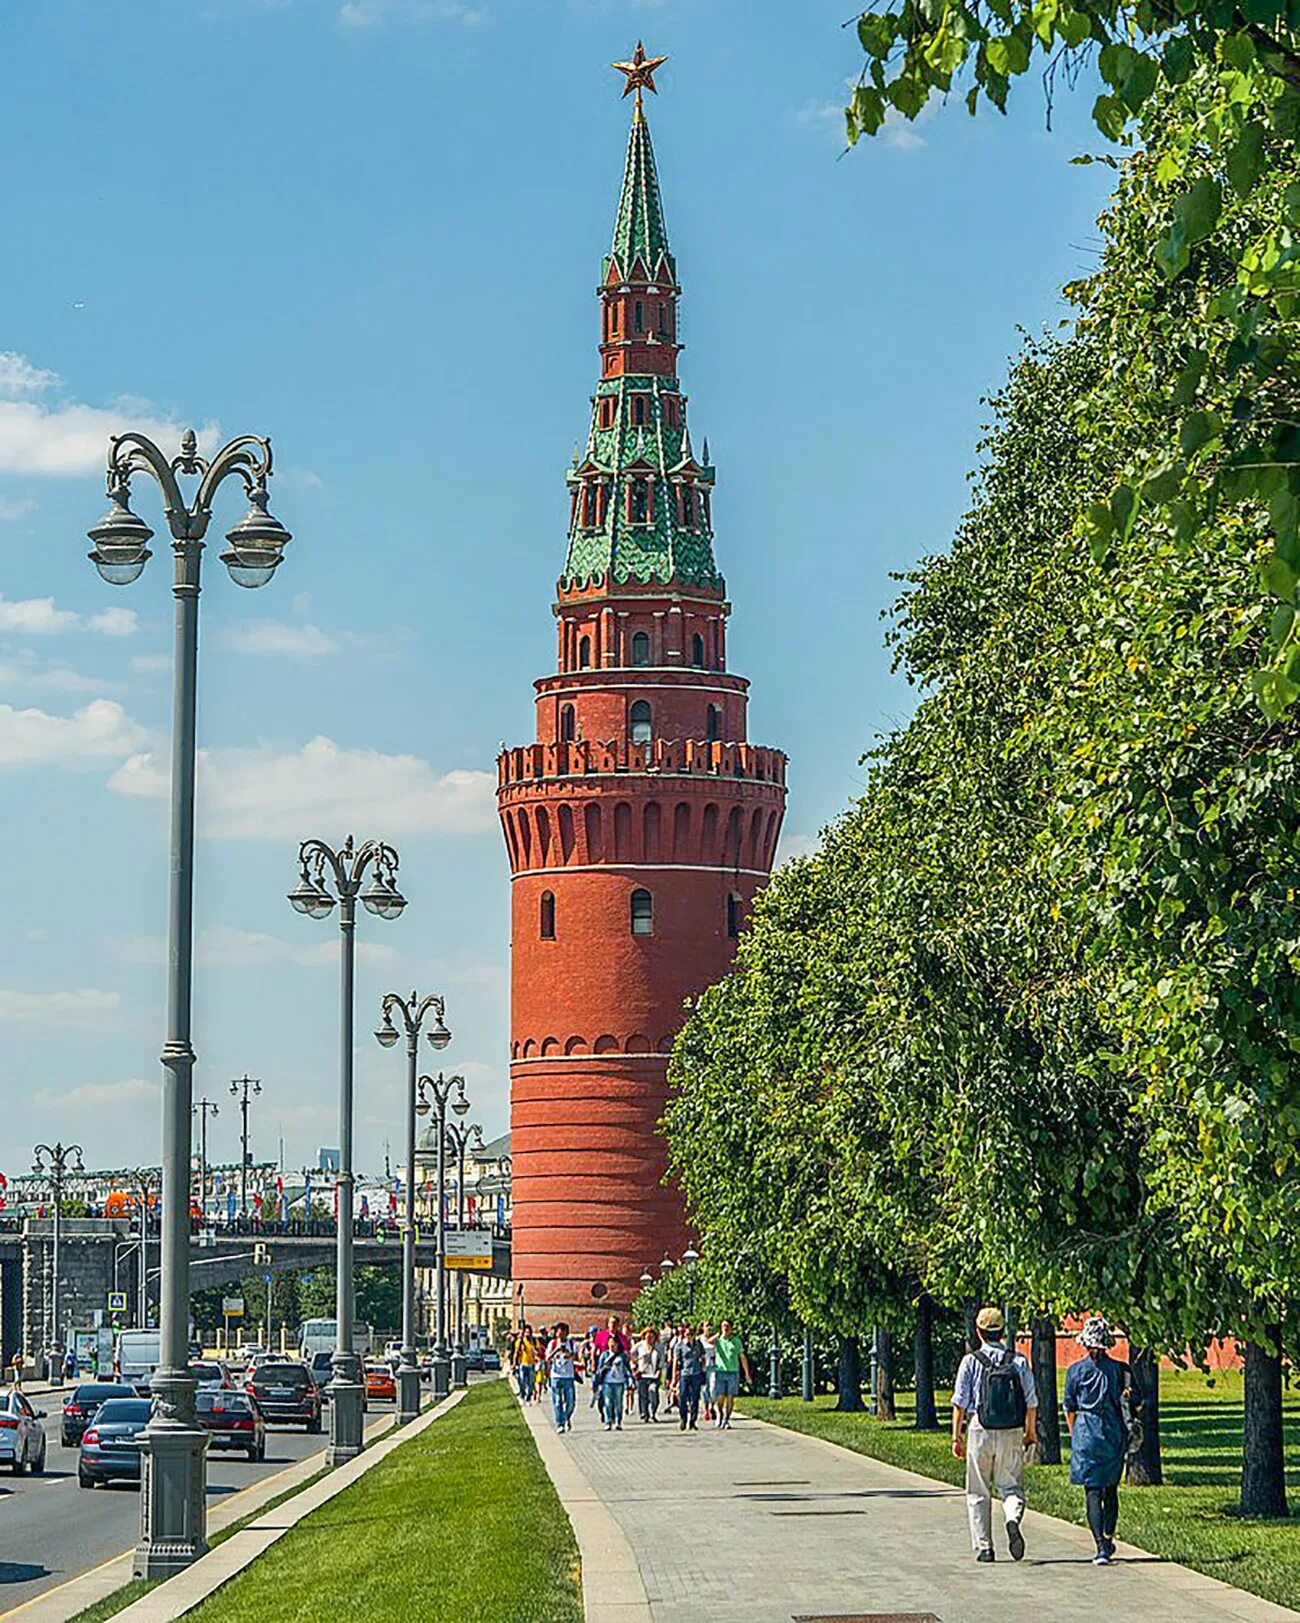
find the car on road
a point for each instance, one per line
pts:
(139, 1353)
(22, 1437)
(232, 1420)
(381, 1383)
(209, 1376)
(491, 1358)
(393, 1354)
(110, 1448)
(81, 1404)
(286, 1394)
(321, 1368)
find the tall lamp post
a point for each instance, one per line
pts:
(318, 863)
(461, 1139)
(141, 1187)
(412, 1011)
(203, 1108)
(247, 1087)
(441, 1088)
(54, 1161)
(173, 1515)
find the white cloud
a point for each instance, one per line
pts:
(277, 637)
(900, 133)
(361, 14)
(19, 377)
(99, 732)
(250, 794)
(151, 662)
(13, 508)
(86, 1004)
(816, 113)
(790, 846)
(85, 1096)
(253, 949)
(40, 617)
(58, 679)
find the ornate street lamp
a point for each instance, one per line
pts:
(459, 1139)
(245, 1088)
(319, 865)
(173, 1513)
(441, 1088)
(54, 1161)
(412, 1011)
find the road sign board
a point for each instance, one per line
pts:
(117, 1301)
(468, 1248)
(232, 1307)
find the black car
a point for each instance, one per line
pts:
(286, 1395)
(322, 1368)
(81, 1403)
(110, 1448)
(232, 1420)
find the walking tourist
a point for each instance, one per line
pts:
(613, 1373)
(688, 1378)
(526, 1363)
(562, 1367)
(648, 1367)
(995, 1391)
(543, 1377)
(707, 1338)
(728, 1361)
(1101, 1408)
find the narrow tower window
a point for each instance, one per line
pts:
(733, 915)
(640, 648)
(697, 651)
(663, 320)
(638, 410)
(584, 653)
(639, 502)
(639, 726)
(638, 317)
(548, 915)
(642, 913)
(567, 724)
(714, 724)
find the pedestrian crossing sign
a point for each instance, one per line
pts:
(117, 1301)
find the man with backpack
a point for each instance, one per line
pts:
(995, 1390)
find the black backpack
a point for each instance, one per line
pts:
(1002, 1407)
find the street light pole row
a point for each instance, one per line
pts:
(54, 1161)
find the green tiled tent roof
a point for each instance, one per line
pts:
(639, 230)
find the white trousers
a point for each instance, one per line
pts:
(994, 1459)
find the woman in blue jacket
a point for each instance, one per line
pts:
(1097, 1390)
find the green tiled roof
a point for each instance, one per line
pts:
(639, 230)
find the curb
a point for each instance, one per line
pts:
(1185, 1580)
(613, 1590)
(75, 1594)
(190, 1588)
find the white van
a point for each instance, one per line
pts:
(320, 1335)
(138, 1355)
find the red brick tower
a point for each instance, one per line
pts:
(641, 824)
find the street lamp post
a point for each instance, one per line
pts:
(203, 1109)
(413, 1011)
(461, 1138)
(173, 1516)
(690, 1260)
(242, 1090)
(774, 1366)
(53, 1161)
(141, 1185)
(441, 1090)
(348, 868)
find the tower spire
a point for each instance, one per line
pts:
(639, 74)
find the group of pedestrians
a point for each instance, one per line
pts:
(995, 1423)
(632, 1371)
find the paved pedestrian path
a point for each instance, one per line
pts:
(763, 1525)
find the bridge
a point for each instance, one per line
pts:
(99, 1254)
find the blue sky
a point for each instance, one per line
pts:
(373, 231)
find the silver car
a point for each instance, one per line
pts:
(22, 1437)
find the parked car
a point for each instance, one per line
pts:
(210, 1375)
(81, 1404)
(321, 1368)
(22, 1437)
(393, 1354)
(110, 1448)
(491, 1358)
(286, 1394)
(380, 1382)
(232, 1420)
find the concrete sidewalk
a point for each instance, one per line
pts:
(764, 1525)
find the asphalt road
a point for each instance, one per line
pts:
(52, 1530)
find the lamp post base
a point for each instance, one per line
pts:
(173, 1495)
(459, 1373)
(408, 1394)
(347, 1421)
(441, 1375)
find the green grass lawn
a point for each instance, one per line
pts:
(1191, 1520)
(459, 1525)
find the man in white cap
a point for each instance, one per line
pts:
(995, 1390)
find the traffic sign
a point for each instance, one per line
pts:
(232, 1307)
(468, 1248)
(117, 1301)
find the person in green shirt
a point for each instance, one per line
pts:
(728, 1362)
